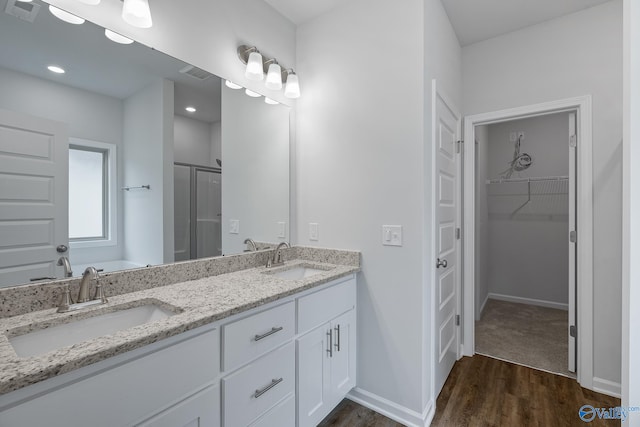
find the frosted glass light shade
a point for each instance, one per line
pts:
(137, 13)
(252, 93)
(270, 101)
(91, 2)
(65, 16)
(115, 37)
(232, 85)
(292, 89)
(274, 77)
(254, 69)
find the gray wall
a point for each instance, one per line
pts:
(482, 220)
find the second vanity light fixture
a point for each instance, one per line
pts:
(134, 12)
(258, 66)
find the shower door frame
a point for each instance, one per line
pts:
(193, 203)
(584, 223)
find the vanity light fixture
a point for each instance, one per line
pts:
(65, 16)
(115, 37)
(257, 65)
(232, 85)
(56, 69)
(252, 93)
(137, 13)
(292, 89)
(191, 109)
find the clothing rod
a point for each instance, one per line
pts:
(533, 179)
(140, 187)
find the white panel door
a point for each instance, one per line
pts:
(447, 197)
(34, 174)
(314, 376)
(343, 356)
(573, 142)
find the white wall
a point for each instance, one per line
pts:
(192, 141)
(529, 252)
(482, 220)
(363, 160)
(255, 172)
(631, 231)
(216, 143)
(205, 33)
(571, 56)
(146, 115)
(88, 115)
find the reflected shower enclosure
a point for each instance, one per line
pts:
(198, 210)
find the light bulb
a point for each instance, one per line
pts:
(254, 69)
(65, 16)
(191, 109)
(137, 13)
(232, 85)
(115, 37)
(292, 89)
(274, 77)
(55, 69)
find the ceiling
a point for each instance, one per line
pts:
(473, 20)
(98, 65)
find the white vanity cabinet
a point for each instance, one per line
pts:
(326, 354)
(172, 382)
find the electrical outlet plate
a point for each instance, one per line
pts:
(392, 235)
(234, 226)
(313, 231)
(281, 230)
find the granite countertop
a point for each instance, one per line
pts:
(195, 302)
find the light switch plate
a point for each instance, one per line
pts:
(392, 235)
(313, 231)
(281, 229)
(234, 226)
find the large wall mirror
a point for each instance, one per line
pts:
(107, 163)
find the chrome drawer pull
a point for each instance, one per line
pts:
(266, 334)
(330, 342)
(337, 329)
(274, 383)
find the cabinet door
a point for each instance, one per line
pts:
(313, 375)
(199, 410)
(343, 360)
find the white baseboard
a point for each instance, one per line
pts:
(389, 409)
(607, 387)
(531, 301)
(484, 303)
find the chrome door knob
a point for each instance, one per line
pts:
(441, 263)
(62, 249)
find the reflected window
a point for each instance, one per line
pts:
(91, 181)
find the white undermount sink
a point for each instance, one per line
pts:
(299, 272)
(78, 330)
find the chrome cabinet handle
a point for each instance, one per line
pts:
(266, 334)
(274, 382)
(442, 263)
(330, 342)
(337, 329)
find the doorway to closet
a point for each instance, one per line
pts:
(525, 262)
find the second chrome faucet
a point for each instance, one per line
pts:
(99, 297)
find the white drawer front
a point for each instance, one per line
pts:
(248, 338)
(322, 306)
(283, 415)
(254, 389)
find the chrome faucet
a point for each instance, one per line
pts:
(64, 262)
(251, 245)
(277, 256)
(66, 303)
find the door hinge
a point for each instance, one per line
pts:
(573, 236)
(573, 141)
(457, 320)
(459, 145)
(573, 331)
(458, 233)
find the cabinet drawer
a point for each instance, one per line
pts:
(283, 415)
(322, 306)
(254, 389)
(200, 410)
(248, 338)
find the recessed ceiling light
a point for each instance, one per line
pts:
(55, 69)
(191, 109)
(115, 37)
(65, 16)
(232, 85)
(252, 93)
(270, 101)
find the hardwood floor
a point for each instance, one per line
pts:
(482, 391)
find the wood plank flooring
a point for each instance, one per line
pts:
(482, 391)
